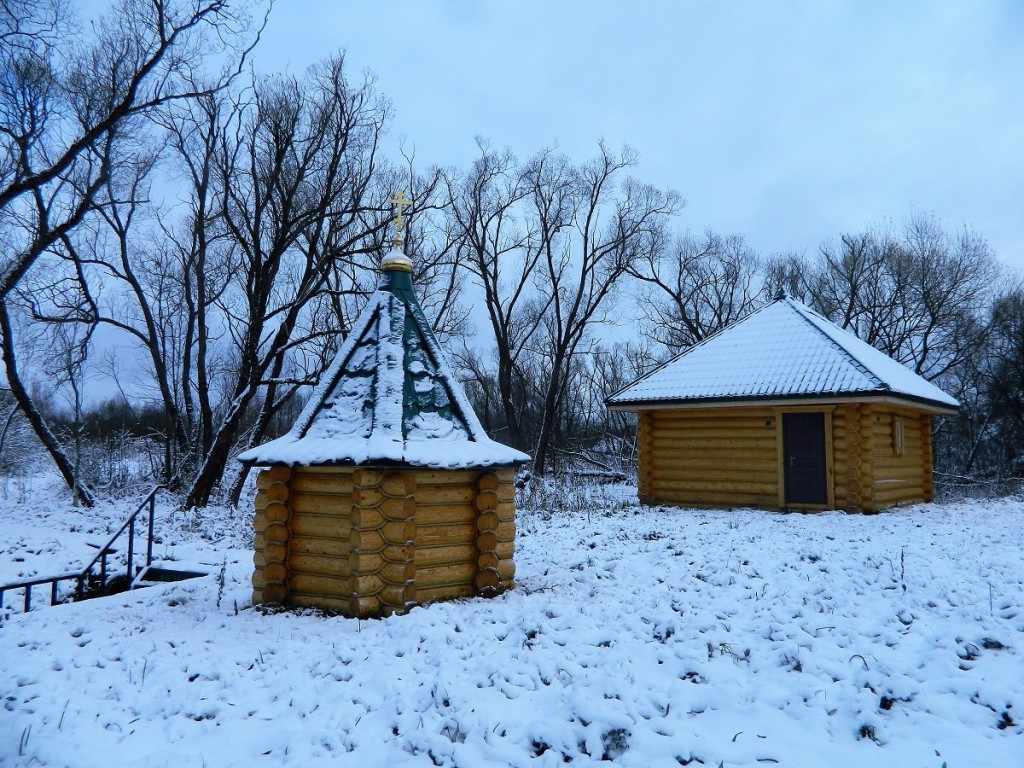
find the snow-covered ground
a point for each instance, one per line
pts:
(650, 637)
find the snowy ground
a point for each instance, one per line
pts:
(648, 637)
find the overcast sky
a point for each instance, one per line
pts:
(787, 122)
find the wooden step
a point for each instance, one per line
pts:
(156, 574)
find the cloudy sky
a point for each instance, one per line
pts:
(788, 122)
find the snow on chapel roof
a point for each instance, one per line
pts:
(783, 350)
(389, 395)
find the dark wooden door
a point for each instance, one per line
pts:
(803, 451)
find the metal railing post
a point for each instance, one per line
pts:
(131, 547)
(152, 512)
(53, 592)
(28, 598)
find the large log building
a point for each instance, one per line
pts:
(784, 410)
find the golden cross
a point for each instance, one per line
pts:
(399, 202)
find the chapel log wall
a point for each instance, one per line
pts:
(320, 551)
(375, 541)
(272, 536)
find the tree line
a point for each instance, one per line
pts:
(200, 237)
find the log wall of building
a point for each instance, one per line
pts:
(845, 477)
(272, 536)
(709, 457)
(731, 457)
(320, 551)
(900, 477)
(368, 541)
(645, 449)
(855, 449)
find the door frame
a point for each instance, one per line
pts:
(830, 483)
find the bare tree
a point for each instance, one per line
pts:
(296, 179)
(594, 227)
(16, 439)
(914, 291)
(1004, 386)
(498, 243)
(65, 102)
(548, 243)
(62, 315)
(62, 98)
(202, 251)
(603, 441)
(698, 288)
(69, 356)
(132, 281)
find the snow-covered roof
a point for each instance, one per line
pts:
(783, 350)
(389, 396)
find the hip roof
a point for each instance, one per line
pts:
(783, 350)
(388, 397)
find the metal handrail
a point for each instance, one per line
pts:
(53, 581)
(85, 575)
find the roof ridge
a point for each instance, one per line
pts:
(691, 348)
(802, 311)
(338, 366)
(461, 410)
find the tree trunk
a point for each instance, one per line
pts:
(548, 416)
(34, 417)
(216, 460)
(505, 374)
(258, 431)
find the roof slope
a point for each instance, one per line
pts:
(783, 350)
(388, 396)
